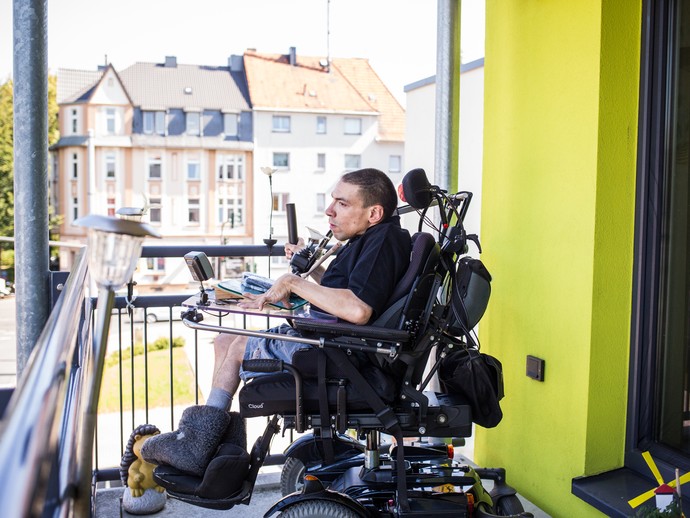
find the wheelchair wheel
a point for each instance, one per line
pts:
(318, 509)
(508, 506)
(292, 476)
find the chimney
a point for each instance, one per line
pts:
(236, 63)
(293, 56)
(170, 61)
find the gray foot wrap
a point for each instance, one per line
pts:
(191, 447)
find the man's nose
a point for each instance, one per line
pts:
(329, 210)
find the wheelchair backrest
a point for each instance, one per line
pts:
(404, 304)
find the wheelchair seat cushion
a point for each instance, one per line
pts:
(268, 395)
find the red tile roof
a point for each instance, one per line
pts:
(351, 86)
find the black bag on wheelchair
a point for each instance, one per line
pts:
(471, 288)
(478, 377)
(465, 371)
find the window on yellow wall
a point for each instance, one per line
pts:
(659, 409)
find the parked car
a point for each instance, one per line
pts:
(153, 315)
(6, 288)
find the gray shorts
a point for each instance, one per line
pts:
(273, 349)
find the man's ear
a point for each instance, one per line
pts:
(375, 214)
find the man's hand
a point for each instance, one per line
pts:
(279, 292)
(291, 249)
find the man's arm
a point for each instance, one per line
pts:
(339, 302)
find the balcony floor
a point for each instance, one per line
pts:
(266, 493)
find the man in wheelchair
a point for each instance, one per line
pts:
(355, 287)
(404, 304)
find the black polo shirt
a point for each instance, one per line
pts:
(370, 265)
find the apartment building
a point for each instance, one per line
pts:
(190, 141)
(315, 119)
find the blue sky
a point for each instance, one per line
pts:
(398, 36)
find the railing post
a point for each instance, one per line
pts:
(30, 173)
(447, 94)
(91, 391)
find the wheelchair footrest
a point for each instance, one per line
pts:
(221, 504)
(223, 485)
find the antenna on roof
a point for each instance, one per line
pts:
(328, 36)
(106, 59)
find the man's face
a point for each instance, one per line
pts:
(347, 216)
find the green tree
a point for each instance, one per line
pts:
(7, 152)
(53, 131)
(6, 160)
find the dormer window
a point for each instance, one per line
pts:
(230, 124)
(193, 123)
(154, 122)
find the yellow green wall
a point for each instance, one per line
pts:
(560, 143)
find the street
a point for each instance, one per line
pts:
(8, 345)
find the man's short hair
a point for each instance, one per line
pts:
(375, 188)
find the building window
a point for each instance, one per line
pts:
(110, 205)
(75, 166)
(149, 122)
(280, 199)
(154, 122)
(353, 126)
(320, 202)
(155, 264)
(281, 123)
(110, 166)
(281, 160)
(193, 210)
(193, 123)
(231, 167)
(353, 162)
(321, 125)
(193, 170)
(155, 168)
(394, 164)
(230, 124)
(230, 213)
(75, 208)
(660, 349)
(155, 210)
(321, 161)
(110, 121)
(74, 121)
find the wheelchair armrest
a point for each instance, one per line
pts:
(353, 330)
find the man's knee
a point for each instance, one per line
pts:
(233, 344)
(224, 340)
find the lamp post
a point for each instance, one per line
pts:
(268, 171)
(132, 214)
(114, 247)
(221, 261)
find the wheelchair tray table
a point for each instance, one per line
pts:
(231, 306)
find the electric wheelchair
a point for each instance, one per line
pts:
(370, 380)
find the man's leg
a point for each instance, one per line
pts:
(229, 351)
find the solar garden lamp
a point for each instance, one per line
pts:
(113, 248)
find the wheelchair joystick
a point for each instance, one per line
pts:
(306, 258)
(201, 270)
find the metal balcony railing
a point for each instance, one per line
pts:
(44, 446)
